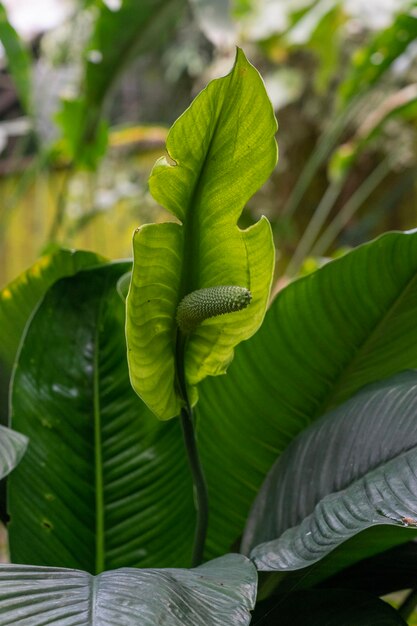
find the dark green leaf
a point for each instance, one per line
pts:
(324, 337)
(326, 608)
(103, 484)
(392, 570)
(217, 593)
(352, 469)
(20, 297)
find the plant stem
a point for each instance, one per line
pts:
(199, 481)
(200, 487)
(409, 604)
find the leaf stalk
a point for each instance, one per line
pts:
(197, 472)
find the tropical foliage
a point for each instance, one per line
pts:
(256, 466)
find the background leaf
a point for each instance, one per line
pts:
(103, 483)
(221, 150)
(373, 60)
(325, 336)
(330, 483)
(392, 570)
(327, 608)
(119, 35)
(19, 298)
(217, 593)
(17, 302)
(18, 58)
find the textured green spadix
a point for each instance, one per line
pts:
(220, 152)
(202, 304)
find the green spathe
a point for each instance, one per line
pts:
(220, 152)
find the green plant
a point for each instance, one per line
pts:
(313, 423)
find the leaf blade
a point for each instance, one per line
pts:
(347, 485)
(219, 155)
(219, 592)
(328, 607)
(101, 472)
(323, 338)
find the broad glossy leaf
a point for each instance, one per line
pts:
(103, 484)
(367, 544)
(217, 593)
(19, 298)
(220, 151)
(392, 570)
(325, 336)
(12, 448)
(354, 468)
(19, 63)
(328, 607)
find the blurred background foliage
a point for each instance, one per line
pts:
(86, 101)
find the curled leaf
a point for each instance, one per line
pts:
(220, 152)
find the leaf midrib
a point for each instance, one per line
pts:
(191, 248)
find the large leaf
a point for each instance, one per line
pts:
(221, 150)
(392, 570)
(17, 302)
(324, 337)
(103, 484)
(217, 593)
(331, 482)
(326, 608)
(12, 448)
(19, 298)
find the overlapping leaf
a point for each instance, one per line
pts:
(325, 336)
(217, 593)
(354, 468)
(221, 150)
(19, 298)
(324, 607)
(103, 484)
